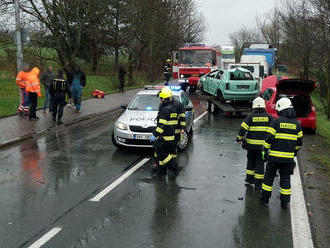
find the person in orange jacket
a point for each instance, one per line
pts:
(33, 88)
(21, 78)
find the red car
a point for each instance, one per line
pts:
(298, 90)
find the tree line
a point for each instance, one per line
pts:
(300, 29)
(146, 31)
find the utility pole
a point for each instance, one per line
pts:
(19, 53)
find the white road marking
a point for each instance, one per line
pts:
(301, 232)
(45, 238)
(200, 117)
(109, 188)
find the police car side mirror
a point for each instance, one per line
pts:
(124, 106)
(189, 108)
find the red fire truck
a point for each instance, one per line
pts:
(193, 61)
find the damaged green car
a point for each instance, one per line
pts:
(236, 84)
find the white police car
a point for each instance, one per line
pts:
(136, 125)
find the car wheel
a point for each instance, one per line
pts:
(213, 108)
(220, 96)
(184, 141)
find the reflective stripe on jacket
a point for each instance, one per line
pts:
(285, 140)
(254, 129)
(21, 79)
(167, 122)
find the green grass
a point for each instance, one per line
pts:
(322, 123)
(9, 92)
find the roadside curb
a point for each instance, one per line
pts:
(42, 132)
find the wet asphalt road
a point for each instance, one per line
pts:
(46, 183)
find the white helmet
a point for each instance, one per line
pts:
(283, 103)
(258, 103)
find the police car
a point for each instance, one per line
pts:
(135, 126)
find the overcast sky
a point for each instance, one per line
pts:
(225, 16)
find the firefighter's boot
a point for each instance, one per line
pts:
(249, 179)
(284, 204)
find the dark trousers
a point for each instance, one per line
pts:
(164, 152)
(121, 84)
(255, 167)
(58, 106)
(167, 77)
(33, 98)
(286, 170)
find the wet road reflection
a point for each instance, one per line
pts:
(46, 181)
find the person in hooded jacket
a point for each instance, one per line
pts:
(58, 88)
(46, 79)
(21, 79)
(281, 146)
(253, 132)
(32, 86)
(77, 81)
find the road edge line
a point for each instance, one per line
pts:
(301, 231)
(200, 116)
(46, 237)
(118, 181)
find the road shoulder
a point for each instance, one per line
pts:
(315, 176)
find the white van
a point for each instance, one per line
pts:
(258, 59)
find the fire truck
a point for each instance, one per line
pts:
(193, 61)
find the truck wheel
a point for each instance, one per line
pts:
(207, 105)
(313, 131)
(213, 108)
(220, 96)
(191, 89)
(184, 141)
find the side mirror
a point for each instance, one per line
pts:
(188, 108)
(124, 106)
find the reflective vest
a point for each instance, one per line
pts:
(33, 82)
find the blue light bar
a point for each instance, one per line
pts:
(175, 87)
(148, 108)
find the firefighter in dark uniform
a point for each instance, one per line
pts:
(253, 132)
(281, 146)
(167, 71)
(58, 88)
(164, 135)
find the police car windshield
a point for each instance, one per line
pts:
(146, 102)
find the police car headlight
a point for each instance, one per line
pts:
(121, 126)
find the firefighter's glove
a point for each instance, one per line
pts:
(152, 138)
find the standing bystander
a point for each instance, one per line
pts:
(21, 79)
(46, 78)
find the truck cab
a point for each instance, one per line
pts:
(269, 54)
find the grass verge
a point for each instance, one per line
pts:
(322, 123)
(321, 154)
